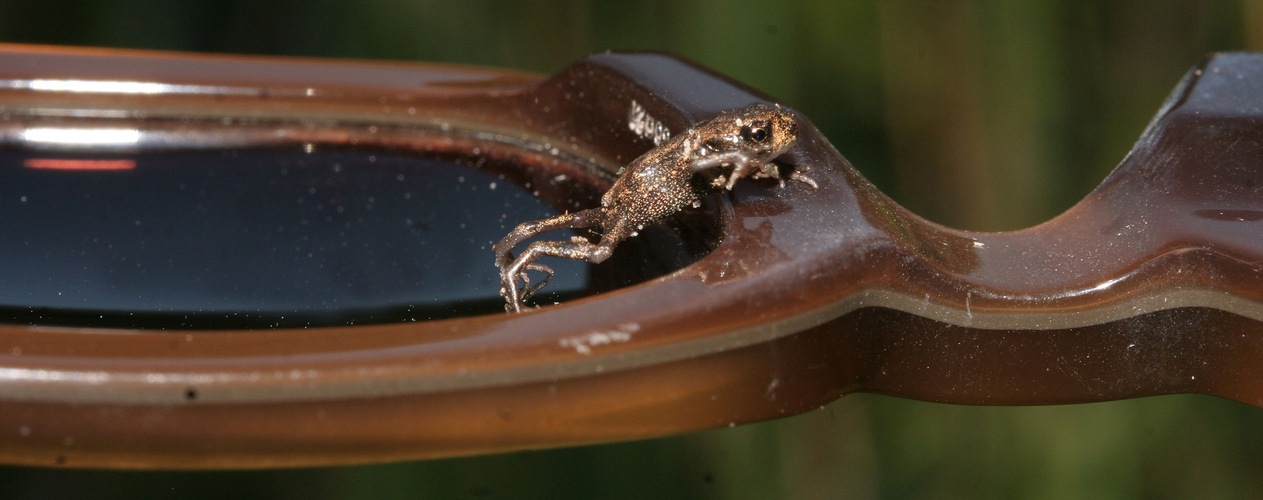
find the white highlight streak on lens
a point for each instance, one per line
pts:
(82, 136)
(101, 86)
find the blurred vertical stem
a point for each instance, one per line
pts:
(968, 90)
(1253, 20)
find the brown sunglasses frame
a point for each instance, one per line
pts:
(1153, 284)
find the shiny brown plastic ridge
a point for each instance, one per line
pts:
(1153, 284)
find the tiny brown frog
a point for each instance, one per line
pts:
(655, 186)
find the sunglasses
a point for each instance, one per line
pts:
(216, 261)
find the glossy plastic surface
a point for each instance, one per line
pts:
(1151, 285)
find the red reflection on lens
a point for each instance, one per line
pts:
(64, 164)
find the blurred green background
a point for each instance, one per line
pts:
(986, 115)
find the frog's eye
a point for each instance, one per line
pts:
(754, 133)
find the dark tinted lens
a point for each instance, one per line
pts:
(263, 237)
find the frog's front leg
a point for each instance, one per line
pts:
(741, 162)
(799, 174)
(771, 171)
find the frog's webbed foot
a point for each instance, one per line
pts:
(577, 248)
(511, 272)
(515, 297)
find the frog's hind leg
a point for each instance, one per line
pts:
(526, 230)
(577, 248)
